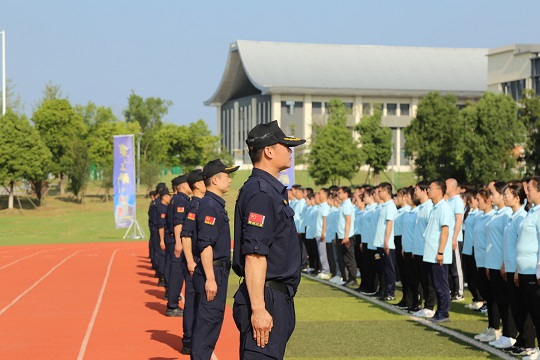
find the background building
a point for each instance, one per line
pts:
(514, 68)
(293, 83)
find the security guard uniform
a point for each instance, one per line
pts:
(175, 279)
(212, 226)
(264, 225)
(160, 219)
(151, 228)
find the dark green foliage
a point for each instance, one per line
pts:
(529, 115)
(376, 142)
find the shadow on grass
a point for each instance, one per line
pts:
(158, 307)
(157, 293)
(164, 337)
(25, 203)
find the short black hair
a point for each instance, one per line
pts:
(441, 184)
(386, 186)
(423, 185)
(256, 155)
(347, 190)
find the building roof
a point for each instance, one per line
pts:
(516, 49)
(330, 69)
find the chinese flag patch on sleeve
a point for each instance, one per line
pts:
(256, 219)
(210, 220)
(163, 216)
(180, 209)
(191, 216)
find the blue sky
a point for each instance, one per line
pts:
(100, 51)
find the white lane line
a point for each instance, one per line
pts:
(96, 310)
(21, 259)
(439, 328)
(37, 282)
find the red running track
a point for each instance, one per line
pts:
(89, 301)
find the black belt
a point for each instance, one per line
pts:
(221, 263)
(277, 286)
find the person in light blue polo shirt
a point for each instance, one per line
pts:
(367, 286)
(374, 256)
(468, 256)
(321, 199)
(420, 268)
(411, 295)
(438, 248)
(494, 262)
(384, 240)
(479, 235)
(331, 237)
(345, 233)
(527, 257)
(455, 202)
(403, 209)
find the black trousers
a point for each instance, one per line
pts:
(500, 292)
(472, 276)
(313, 254)
(428, 292)
(348, 263)
(365, 270)
(529, 285)
(175, 280)
(331, 258)
(281, 307)
(410, 294)
(494, 318)
(208, 314)
(439, 278)
(388, 264)
(159, 255)
(399, 261)
(302, 237)
(520, 312)
(189, 303)
(357, 252)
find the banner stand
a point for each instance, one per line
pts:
(136, 231)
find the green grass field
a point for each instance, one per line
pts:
(331, 324)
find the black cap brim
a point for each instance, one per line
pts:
(292, 142)
(231, 169)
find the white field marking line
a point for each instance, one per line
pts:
(37, 282)
(96, 310)
(423, 321)
(21, 259)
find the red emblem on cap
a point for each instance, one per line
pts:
(191, 216)
(210, 220)
(256, 219)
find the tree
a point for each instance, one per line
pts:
(376, 142)
(434, 138)
(78, 165)
(59, 125)
(529, 115)
(13, 101)
(334, 153)
(149, 114)
(23, 154)
(491, 136)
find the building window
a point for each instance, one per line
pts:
(514, 89)
(536, 75)
(391, 109)
(366, 109)
(404, 109)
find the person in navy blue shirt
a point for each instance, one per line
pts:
(174, 276)
(212, 272)
(160, 219)
(267, 250)
(190, 255)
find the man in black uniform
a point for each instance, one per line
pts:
(175, 220)
(161, 226)
(152, 195)
(212, 272)
(267, 250)
(190, 255)
(158, 255)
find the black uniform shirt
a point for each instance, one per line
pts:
(151, 210)
(161, 216)
(188, 229)
(213, 227)
(264, 225)
(177, 210)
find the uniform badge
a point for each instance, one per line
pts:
(256, 219)
(180, 209)
(163, 216)
(209, 220)
(191, 216)
(285, 202)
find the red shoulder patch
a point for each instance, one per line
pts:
(210, 220)
(256, 219)
(180, 209)
(163, 216)
(191, 216)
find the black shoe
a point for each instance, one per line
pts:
(177, 312)
(413, 309)
(161, 282)
(378, 294)
(166, 296)
(186, 349)
(402, 305)
(351, 284)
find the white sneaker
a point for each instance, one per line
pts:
(482, 334)
(424, 313)
(341, 283)
(335, 279)
(475, 305)
(492, 336)
(496, 342)
(324, 276)
(505, 343)
(535, 354)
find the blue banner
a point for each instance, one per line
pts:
(124, 181)
(287, 176)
